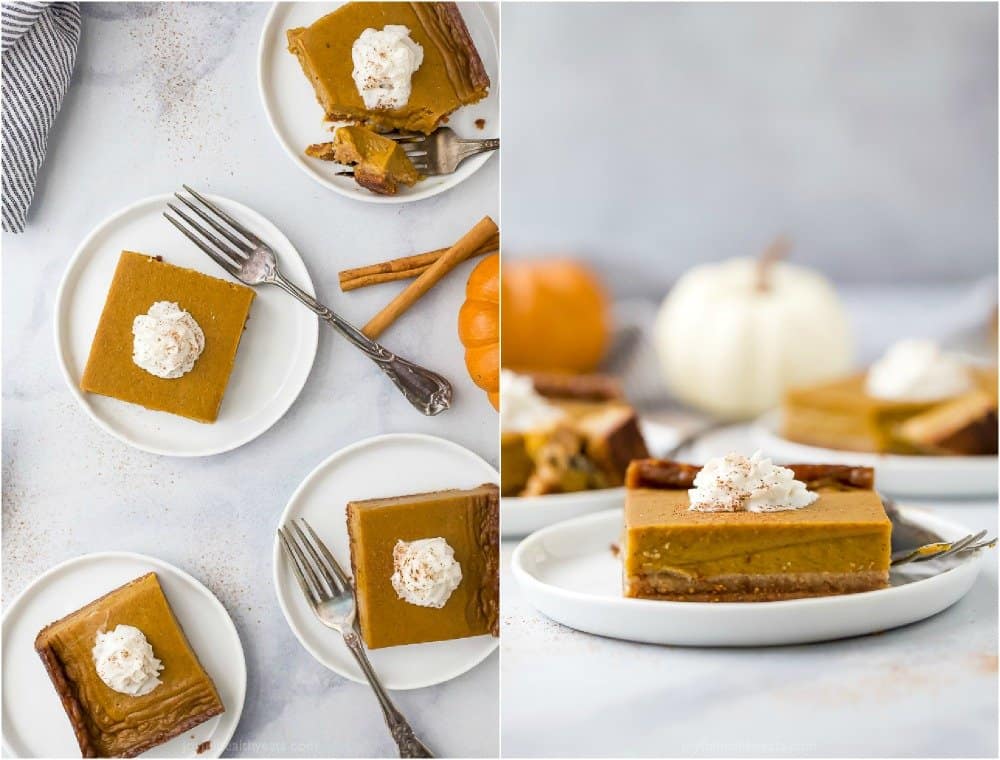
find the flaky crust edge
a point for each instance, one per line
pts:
(490, 542)
(452, 22)
(74, 710)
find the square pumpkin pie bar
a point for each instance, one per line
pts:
(915, 400)
(426, 566)
(563, 433)
(449, 74)
(745, 530)
(167, 338)
(125, 673)
(380, 164)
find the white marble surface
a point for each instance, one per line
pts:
(926, 690)
(164, 94)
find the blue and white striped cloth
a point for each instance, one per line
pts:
(39, 49)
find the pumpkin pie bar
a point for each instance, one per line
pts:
(450, 76)
(380, 164)
(109, 722)
(426, 566)
(837, 544)
(219, 309)
(843, 415)
(586, 441)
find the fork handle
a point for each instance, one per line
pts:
(409, 745)
(468, 148)
(427, 391)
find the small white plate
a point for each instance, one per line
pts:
(930, 476)
(521, 515)
(297, 119)
(34, 722)
(273, 361)
(569, 572)
(386, 465)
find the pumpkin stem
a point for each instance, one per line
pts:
(777, 251)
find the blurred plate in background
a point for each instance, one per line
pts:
(921, 476)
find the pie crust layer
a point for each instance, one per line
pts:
(110, 724)
(219, 307)
(840, 544)
(469, 521)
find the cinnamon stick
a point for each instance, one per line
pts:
(376, 279)
(484, 230)
(404, 268)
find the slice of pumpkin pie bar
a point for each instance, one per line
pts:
(741, 529)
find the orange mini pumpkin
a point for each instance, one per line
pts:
(479, 327)
(556, 316)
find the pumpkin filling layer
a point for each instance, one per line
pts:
(838, 544)
(380, 164)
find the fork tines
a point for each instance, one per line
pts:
(970, 543)
(229, 253)
(411, 143)
(317, 571)
(406, 138)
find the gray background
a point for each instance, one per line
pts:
(649, 137)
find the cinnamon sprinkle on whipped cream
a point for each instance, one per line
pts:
(167, 341)
(124, 660)
(425, 572)
(384, 64)
(735, 483)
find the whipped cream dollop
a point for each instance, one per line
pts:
(425, 571)
(384, 64)
(125, 661)
(734, 483)
(917, 370)
(166, 340)
(522, 408)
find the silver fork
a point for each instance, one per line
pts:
(251, 261)
(328, 591)
(441, 151)
(940, 549)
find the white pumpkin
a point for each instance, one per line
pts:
(730, 344)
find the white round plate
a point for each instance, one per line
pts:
(297, 119)
(568, 571)
(386, 465)
(273, 361)
(521, 515)
(930, 476)
(34, 722)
